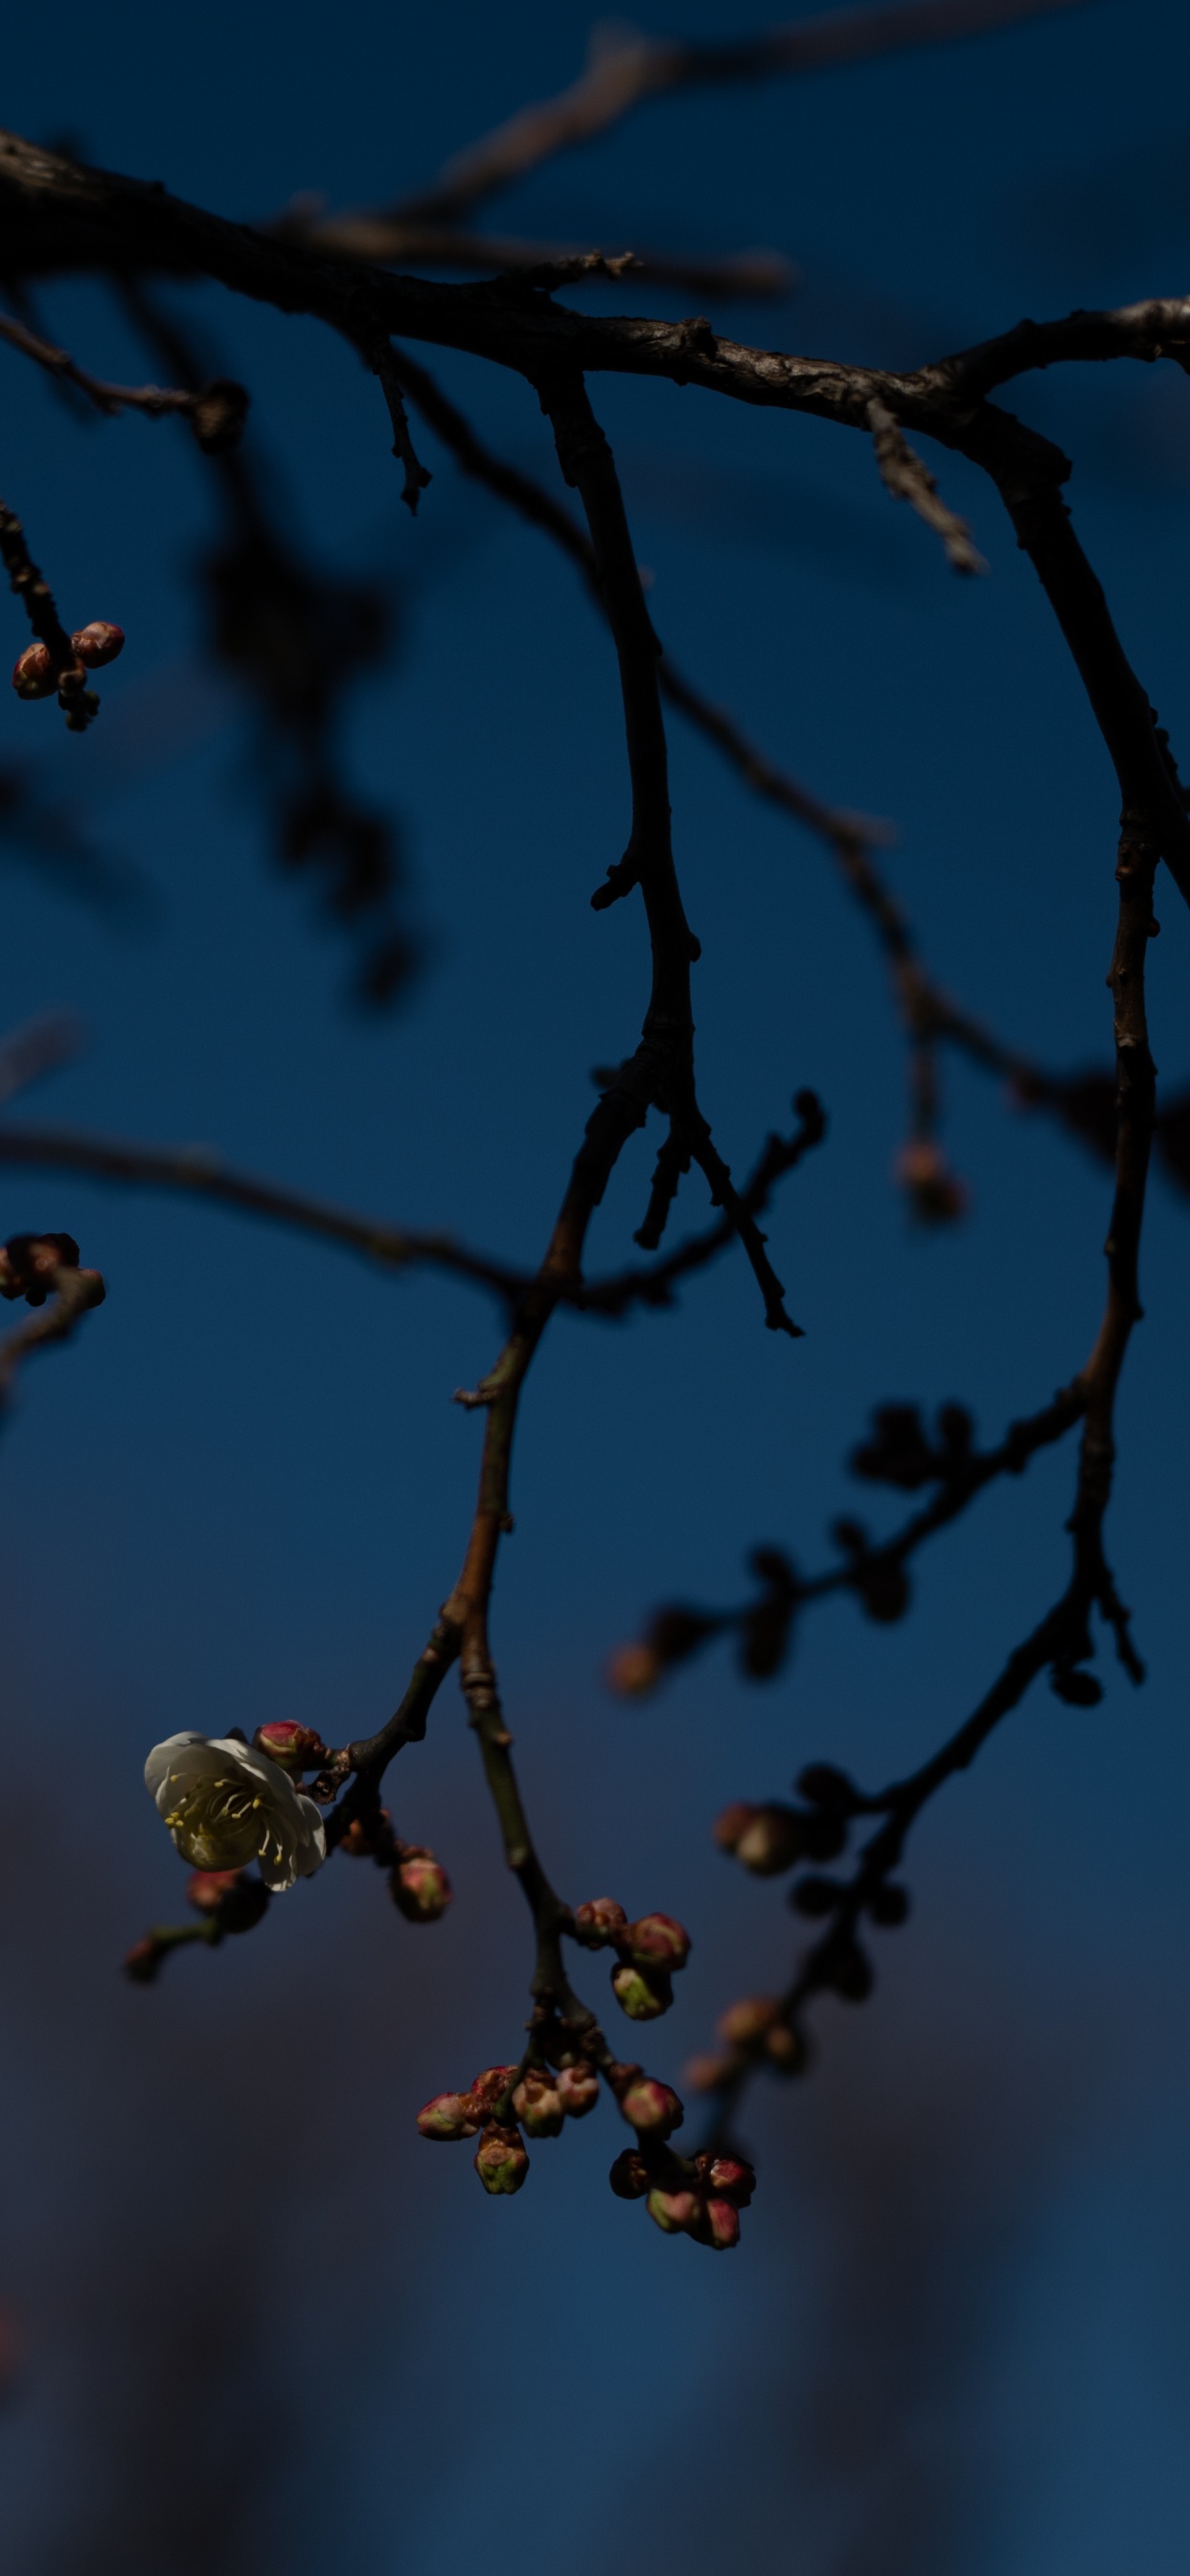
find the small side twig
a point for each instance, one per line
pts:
(904, 474)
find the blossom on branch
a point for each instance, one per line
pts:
(226, 1805)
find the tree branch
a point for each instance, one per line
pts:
(630, 68)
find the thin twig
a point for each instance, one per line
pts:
(904, 475)
(216, 410)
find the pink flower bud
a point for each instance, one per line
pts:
(745, 2024)
(98, 643)
(365, 1835)
(143, 1961)
(450, 2116)
(710, 2070)
(33, 672)
(599, 1922)
(500, 2159)
(296, 1748)
(420, 1887)
(28, 1263)
(730, 1825)
(936, 1193)
(630, 2178)
(538, 2105)
(634, 1670)
(788, 2050)
(578, 2089)
(770, 1841)
(731, 2179)
(206, 1888)
(722, 2225)
(675, 2212)
(657, 1941)
(643, 1993)
(652, 2109)
(491, 2085)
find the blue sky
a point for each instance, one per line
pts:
(243, 1490)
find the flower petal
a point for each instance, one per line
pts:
(162, 1757)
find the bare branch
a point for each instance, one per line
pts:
(629, 69)
(200, 1174)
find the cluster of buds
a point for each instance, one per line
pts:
(30, 1263)
(226, 1900)
(699, 2196)
(752, 2032)
(37, 673)
(417, 1881)
(763, 1630)
(649, 1954)
(936, 1194)
(500, 2160)
(501, 2101)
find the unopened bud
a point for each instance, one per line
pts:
(652, 2109)
(732, 2179)
(98, 643)
(33, 672)
(420, 1887)
(722, 2223)
(936, 1192)
(731, 1824)
(599, 1922)
(826, 1786)
(711, 2070)
(500, 2159)
(632, 1671)
(491, 2085)
(578, 2089)
(236, 1898)
(787, 2050)
(745, 2023)
(643, 1993)
(217, 418)
(630, 2178)
(28, 1263)
(675, 2212)
(450, 2116)
(771, 1841)
(143, 1961)
(657, 1941)
(365, 1835)
(538, 2105)
(296, 1748)
(206, 1888)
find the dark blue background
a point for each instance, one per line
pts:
(262, 2324)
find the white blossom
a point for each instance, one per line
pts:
(226, 1805)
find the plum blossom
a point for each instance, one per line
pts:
(226, 1805)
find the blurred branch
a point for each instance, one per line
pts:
(216, 411)
(626, 69)
(753, 275)
(1062, 1641)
